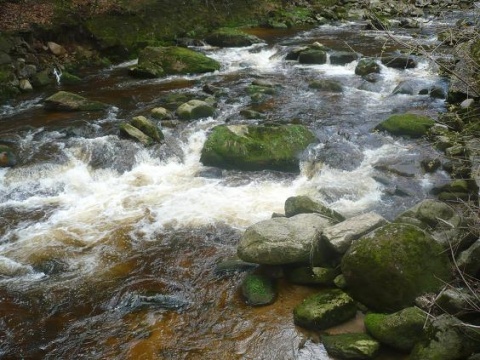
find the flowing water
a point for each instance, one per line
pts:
(108, 249)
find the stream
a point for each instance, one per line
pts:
(108, 249)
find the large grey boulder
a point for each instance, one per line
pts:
(281, 241)
(391, 266)
(400, 330)
(340, 236)
(324, 310)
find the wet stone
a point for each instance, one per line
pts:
(351, 346)
(258, 290)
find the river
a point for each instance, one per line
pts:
(108, 249)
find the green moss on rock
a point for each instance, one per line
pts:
(68, 101)
(351, 346)
(388, 268)
(231, 37)
(411, 125)
(256, 147)
(258, 290)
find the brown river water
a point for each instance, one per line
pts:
(109, 250)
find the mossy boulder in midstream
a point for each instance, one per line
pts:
(351, 346)
(324, 310)
(154, 62)
(231, 37)
(258, 290)
(67, 101)
(400, 330)
(410, 125)
(246, 147)
(389, 267)
(303, 204)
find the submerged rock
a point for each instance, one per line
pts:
(135, 302)
(256, 147)
(388, 268)
(280, 241)
(7, 157)
(351, 346)
(324, 310)
(399, 61)
(411, 125)
(400, 330)
(67, 101)
(156, 62)
(258, 290)
(327, 85)
(367, 66)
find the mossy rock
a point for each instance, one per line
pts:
(154, 62)
(324, 310)
(351, 346)
(245, 147)
(195, 109)
(367, 66)
(147, 127)
(231, 37)
(68, 101)
(410, 125)
(388, 268)
(258, 290)
(326, 85)
(69, 79)
(130, 131)
(400, 330)
(313, 56)
(7, 157)
(304, 205)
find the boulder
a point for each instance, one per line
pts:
(303, 205)
(195, 109)
(399, 61)
(312, 56)
(147, 127)
(367, 66)
(389, 267)
(447, 338)
(56, 49)
(400, 330)
(445, 225)
(351, 346)
(130, 131)
(228, 37)
(324, 310)
(67, 101)
(258, 290)
(340, 236)
(233, 265)
(410, 125)
(306, 275)
(343, 57)
(154, 62)
(7, 157)
(160, 113)
(280, 241)
(252, 147)
(469, 260)
(42, 78)
(456, 301)
(326, 85)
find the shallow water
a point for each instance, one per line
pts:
(90, 222)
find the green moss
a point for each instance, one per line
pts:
(258, 290)
(256, 147)
(411, 125)
(351, 346)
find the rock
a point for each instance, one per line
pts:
(343, 57)
(400, 330)
(228, 37)
(304, 205)
(447, 338)
(340, 282)
(456, 301)
(399, 61)
(351, 346)
(410, 125)
(307, 275)
(5, 58)
(42, 78)
(258, 290)
(251, 114)
(56, 49)
(367, 66)
(195, 109)
(313, 56)
(70, 79)
(7, 157)
(405, 88)
(337, 153)
(340, 236)
(430, 165)
(281, 241)
(159, 113)
(232, 265)
(132, 132)
(252, 147)
(323, 310)
(388, 268)
(441, 220)
(326, 85)
(469, 260)
(67, 101)
(473, 151)
(154, 62)
(147, 127)
(25, 85)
